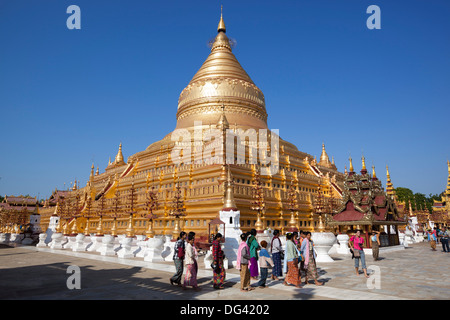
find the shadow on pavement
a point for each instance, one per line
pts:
(49, 281)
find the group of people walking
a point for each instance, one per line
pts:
(186, 254)
(254, 259)
(248, 259)
(299, 256)
(436, 235)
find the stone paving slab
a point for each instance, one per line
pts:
(40, 273)
(414, 273)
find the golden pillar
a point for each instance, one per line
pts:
(114, 228)
(130, 228)
(74, 230)
(86, 229)
(100, 227)
(150, 233)
(176, 229)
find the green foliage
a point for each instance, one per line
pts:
(435, 196)
(404, 195)
(419, 201)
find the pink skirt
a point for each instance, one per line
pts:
(190, 279)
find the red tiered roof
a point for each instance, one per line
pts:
(364, 201)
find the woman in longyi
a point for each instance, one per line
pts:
(190, 279)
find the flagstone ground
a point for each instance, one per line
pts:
(41, 273)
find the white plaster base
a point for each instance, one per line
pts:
(140, 246)
(16, 238)
(225, 263)
(107, 247)
(323, 241)
(96, 243)
(402, 240)
(42, 238)
(81, 243)
(385, 249)
(126, 251)
(343, 244)
(154, 249)
(333, 249)
(70, 242)
(117, 242)
(208, 259)
(4, 237)
(169, 247)
(57, 241)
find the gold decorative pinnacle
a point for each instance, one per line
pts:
(324, 157)
(229, 202)
(119, 156)
(221, 26)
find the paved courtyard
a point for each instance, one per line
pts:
(41, 273)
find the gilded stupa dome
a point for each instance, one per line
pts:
(221, 80)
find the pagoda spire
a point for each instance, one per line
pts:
(389, 186)
(374, 175)
(350, 168)
(91, 177)
(447, 192)
(119, 156)
(324, 159)
(221, 26)
(223, 125)
(229, 203)
(364, 169)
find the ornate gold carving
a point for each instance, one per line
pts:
(216, 109)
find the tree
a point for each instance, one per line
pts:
(435, 196)
(418, 200)
(405, 195)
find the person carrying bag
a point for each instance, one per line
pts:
(356, 244)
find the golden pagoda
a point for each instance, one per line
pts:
(402, 206)
(441, 209)
(220, 100)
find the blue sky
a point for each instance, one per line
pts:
(69, 97)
